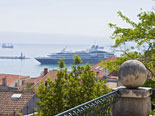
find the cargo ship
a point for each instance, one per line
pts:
(4, 45)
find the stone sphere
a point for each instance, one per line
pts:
(132, 74)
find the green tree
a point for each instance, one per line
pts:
(142, 37)
(46, 97)
(69, 89)
(29, 87)
(90, 86)
(52, 94)
(73, 86)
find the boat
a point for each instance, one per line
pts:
(4, 45)
(93, 55)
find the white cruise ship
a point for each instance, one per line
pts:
(92, 56)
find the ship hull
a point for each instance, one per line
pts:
(67, 61)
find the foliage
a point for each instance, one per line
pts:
(77, 59)
(29, 87)
(150, 83)
(142, 37)
(69, 89)
(20, 113)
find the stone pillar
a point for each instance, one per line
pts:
(133, 100)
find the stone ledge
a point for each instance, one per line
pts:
(141, 92)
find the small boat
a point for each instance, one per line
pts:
(4, 45)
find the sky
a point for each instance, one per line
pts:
(64, 21)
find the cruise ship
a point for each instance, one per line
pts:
(91, 56)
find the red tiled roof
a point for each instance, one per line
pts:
(36, 81)
(6, 88)
(30, 80)
(99, 67)
(51, 74)
(11, 78)
(7, 105)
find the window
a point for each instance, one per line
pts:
(16, 96)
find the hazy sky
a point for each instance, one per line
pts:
(87, 18)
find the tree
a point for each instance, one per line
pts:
(51, 95)
(29, 87)
(69, 89)
(142, 37)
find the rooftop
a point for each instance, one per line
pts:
(99, 67)
(11, 78)
(51, 74)
(8, 105)
(6, 88)
(36, 81)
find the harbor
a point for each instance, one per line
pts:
(11, 62)
(14, 57)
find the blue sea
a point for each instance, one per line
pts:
(30, 66)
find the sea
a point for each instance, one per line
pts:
(30, 66)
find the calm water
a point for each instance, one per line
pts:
(30, 66)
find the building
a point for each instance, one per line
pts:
(11, 102)
(6, 88)
(12, 80)
(103, 73)
(34, 82)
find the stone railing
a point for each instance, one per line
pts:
(153, 100)
(127, 100)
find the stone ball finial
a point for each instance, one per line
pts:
(132, 74)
